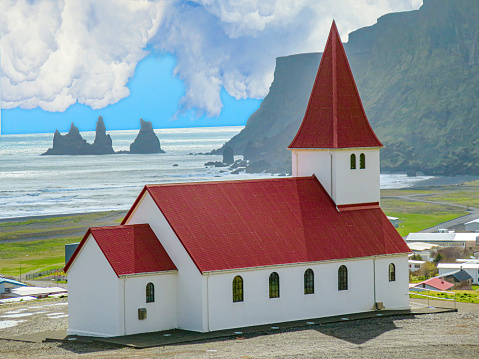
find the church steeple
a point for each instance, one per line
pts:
(335, 116)
(335, 141)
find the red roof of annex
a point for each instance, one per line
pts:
(335, 116)
(129, 249)
(242, 224)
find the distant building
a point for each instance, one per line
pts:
(471, 268)
(472, 226)
(394, 221)
(7, 285)
(435, 283)
(415, 265)
(423, 249)
(460, 278)
(450, 239)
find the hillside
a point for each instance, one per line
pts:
(418, 76)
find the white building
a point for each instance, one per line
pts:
(215, 255)
(422, 249)
(472, 226)
(415, 265)
(449, 239)
(471, 268)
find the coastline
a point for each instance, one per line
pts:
(444, 181)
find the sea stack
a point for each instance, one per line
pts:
(70, 144)
(146, 141)
(228, 155)
(102, 144)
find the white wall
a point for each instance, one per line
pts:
(161, 314)
(394, 295)
(191, 305)
(93, 294)
(307, 162)
(293, 304)
(348, 185)
(357, 185)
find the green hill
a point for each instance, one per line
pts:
(418, 76)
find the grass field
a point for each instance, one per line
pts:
(39, 243)
(464, 296)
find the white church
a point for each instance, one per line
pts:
(208, 256)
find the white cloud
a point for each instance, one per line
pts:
(56, 53)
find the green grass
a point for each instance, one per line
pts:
(415, 222)
(35, 256)
(463, 296)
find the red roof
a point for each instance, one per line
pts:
(129, 249)
(335, 116)
(243, 224)
(435, 282)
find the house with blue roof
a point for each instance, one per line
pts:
(6, 285)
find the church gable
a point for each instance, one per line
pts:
(132, 249)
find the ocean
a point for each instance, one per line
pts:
(35, 185)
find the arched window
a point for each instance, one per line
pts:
(150, 293)
(237, 289)
(362, 161)
(343, 278)
(309, 281)
(274, 285)
(392, 272)
(353, 161)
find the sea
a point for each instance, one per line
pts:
(34, 185)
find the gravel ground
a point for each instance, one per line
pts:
(448, 335)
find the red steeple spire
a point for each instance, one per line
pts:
(335, 116)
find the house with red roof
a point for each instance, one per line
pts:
(208, 256)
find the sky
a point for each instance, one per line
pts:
(173, 62)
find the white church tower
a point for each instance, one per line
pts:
(335, 141)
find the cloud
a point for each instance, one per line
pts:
(56, 53)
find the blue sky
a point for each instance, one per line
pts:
(154, 96)
(177, 63)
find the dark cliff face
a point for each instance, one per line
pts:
(417, 73)
(146, 141)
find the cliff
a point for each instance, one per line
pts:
(417, 73)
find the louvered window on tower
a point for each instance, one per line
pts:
(343, 278)
(362, 161)
(274, 285)
(353, 161)
(237, 289)
(309, 281)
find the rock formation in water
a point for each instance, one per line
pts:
(146, 141)
(102, 144)
(228, 155)
(70, 144)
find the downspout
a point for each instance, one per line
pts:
(374, 283)
(124, 307)
(331, 155)
(207, 302)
